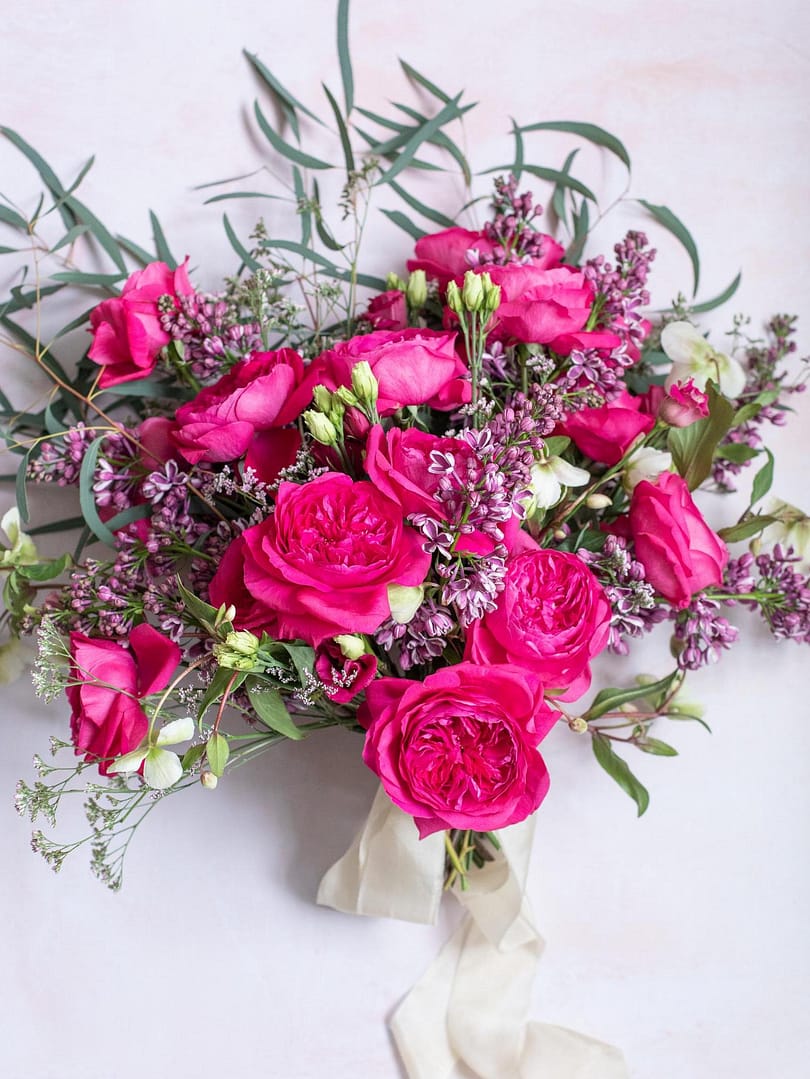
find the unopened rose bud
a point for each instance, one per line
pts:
(417, 288)
(472, 292)
(598, 502)
(321, 428)
(454, 301)
(577, 724)
(208, 780)
(364, 384)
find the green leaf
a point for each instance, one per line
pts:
(558, 194)
(657, 747)
(555, 176)
(238, 246)
(203, 612)
(101, 234)
(217, 752)
(191, 756)
(22, 488)
(217, 686)
(556, 445)
(443, 140)
(345, 141)
(517, 165)
(70, 237)
(304, 206)
(140, 254)
(45, 571)
(143, 387)
(693, 447)
(404, 222)
(422, 134)
(243, 195)
(161, 244)
(426, 211)
(303, 658)
(11, 217)
(763, 479)
(582, 224)
(307, 161)
(270, 709)
(46, 174)
(344, 55)
(89, 280)
(292, 103)
(597, 135)
(664, 216)
(745, 529)
(86, 497)
(610, 700)
(738, 452)
(431, 87)
(718, 301)
(127, 516)
(618, 769)
(321, 260)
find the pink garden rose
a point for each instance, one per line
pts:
(539, 306)
(127, 334)
(552, 618)
(679, 552)
(412, 367)
(446, 255)
(387, 311)
(268, 390)
(605, 434)
(683, 404)
(107, 722)
(322, 564)
(459, 749)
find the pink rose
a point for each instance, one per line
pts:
(398, 463)
(127, 334)
(412, 367)
(388, 311)
(271, 451)
(605, 434)
(539, 306)
(322, 564)
(552, 618)
(447, 254)
(344, 678)
(679, 552)
(683, 404)
(268, 390)
(105, 723)
(459, 750)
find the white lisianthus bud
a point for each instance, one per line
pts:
(578, 725)
(351, 645)
(346, 397)
(454, 301)
(598, 501)
(404, 601)
(693, 357)
(492, 294)
(364, 384)
(394, 281)
(321, 428)
(239, 650)
(322, 399)
(472, 291)
(417, 288)
(23, 551)
(645, 463)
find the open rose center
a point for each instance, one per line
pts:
(544, 600)
(328, 533)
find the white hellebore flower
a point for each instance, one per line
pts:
(548, 479)
(791, 529)
(404, 602)
(645, 463)
(22, 551)
(693, 357)
(161, 767)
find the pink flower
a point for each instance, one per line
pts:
(444, 255)
(107, 722)
(605, 434)
(459, 749)
(322, 564)
(552, 618)
(387, 311)
(540, 305)
(398, 463)
(681, 555)
(683, 404)
(412, 367)
(344, 678)
(127, 334)
(269, 390)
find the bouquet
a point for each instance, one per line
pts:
(417, 508)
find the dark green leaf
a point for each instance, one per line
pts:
(443, 140)
(303, 658)
(555, 176)
(243, 195)
(558, 195)
(270, 709)
(745, 529)
(218, 685)
(664, 216)
(217, 752)
(191, 756)
(610, 700)
(304, 206)
(736, 451)
(582, 224)
(414, 203)
(763, 479)
(431, 87)
(404, 222)
(597, 135)
(22, 490)
(718, 301)
(282, 92)
(46, 174)
(657, 747)
(617, 769)
(344, 55)
(321, 260)
(517, 165)
(246, 257)
(422, 134)
(101, 234)
(86, 497)
(139, 253)
(127, 516)
(203, 612)
(70, 237)
(161, 244)
(307, 161)
(11, 217)
(89, 280)
(83, 171)
(345, 141)
(693, 447)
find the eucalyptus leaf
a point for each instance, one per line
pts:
(161, 243)
(292, 153)
(420, 207)
(246, 257)
(404, 222)
(664, 216)
(86, 496)
(345, 141)
(594, 134)
(344, 56)
(720, 299)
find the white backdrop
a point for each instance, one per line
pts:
(682, 937)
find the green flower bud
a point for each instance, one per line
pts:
(239, 651)
(321, 428)
(454, 301)
(492, 294)
(472, 292)
(346, 397)
(322, 399)
(208, 780)
(577, 724)
(351, 645)
(364, 384)
(417, 288)
(394, 281)
(598, 502)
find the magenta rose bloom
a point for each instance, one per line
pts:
(459, 750)
(322, 564)
(679, 552)
(127, 333)
(412, 367)
(447, 255)
(683, 404)
(540, 306)
(344, 678)
(105, 723)
(387, 311)
(552, 618)
(606, 433)
(265, 391)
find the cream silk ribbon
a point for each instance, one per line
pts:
(467, 1015)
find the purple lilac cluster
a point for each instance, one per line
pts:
(777, 588)
(766, 381)
(621, 289)
(701, 633)
(116, 481)
(594, 377)
(631, 596)
(210, 332)
(422, 639)
(60, 461)
(511, 227)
